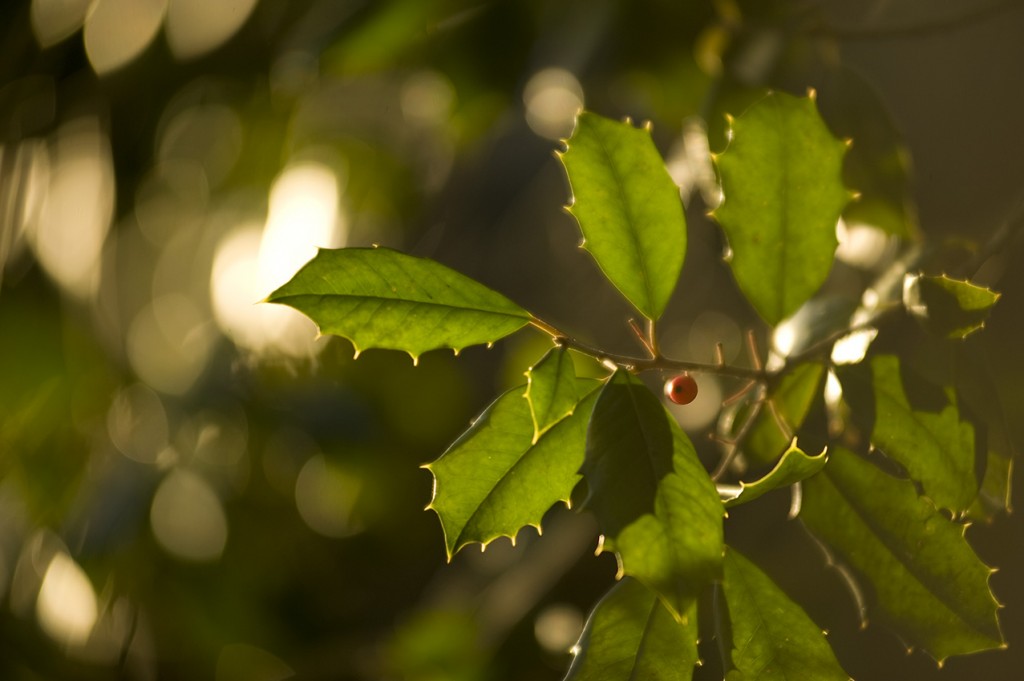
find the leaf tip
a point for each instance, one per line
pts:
(647, 125)
(628, 120)
(374, 245)
(730, 119)
(812, 94)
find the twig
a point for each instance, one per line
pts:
(733, 445)
(647, 340)
(640, 364)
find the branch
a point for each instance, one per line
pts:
(640, 364)
(733, 445)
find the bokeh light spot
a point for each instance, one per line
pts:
(76, 212)
(55, 20)
(427, 98)
(137, 424)
(303, 216)
(207, 134)
(169, 343)
(326, 496)
(195, 27)
(861, 245)
(187, 517)
(250, 263)
(117, 31)
(558, 627)
(66, 606)
(552, 98)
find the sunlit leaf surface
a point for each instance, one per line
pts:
(948, 307)
(495, 480)
(791, 399)
(930, 585)
(793, 467)
(654, 502)
(631, 635)
(552, 389)
(781, 179)
(919, 426)
(773, 638)
(628, 209)
(380, 298)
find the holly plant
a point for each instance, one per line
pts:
(887, 490)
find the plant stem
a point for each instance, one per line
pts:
(641, 364)
(733, 445)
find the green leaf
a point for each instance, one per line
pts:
(773, 638)
(931, 442)
(793, 467)
(380, 298)
(628, 209)
(495, 480)
(655, 504)
(930, 585)
(783, 194)
(631, 635)
(948, 307)
(551, 389)
(792, 399)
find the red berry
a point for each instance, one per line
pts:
(682, 389)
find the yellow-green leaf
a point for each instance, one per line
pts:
(948, 307)
(551, 389)
(380, 298)
(628, 209)
(793, 467)
(773, 638)
(495, 479)
(655, 504)
(783, 194)
(930, 585)
(631, 635)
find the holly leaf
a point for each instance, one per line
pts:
(551, 389)
(793, 467)
(791, 399)
(631, 635)
(948, 307)
(380, 298)
(930, 585)
(655, 504)
(773, 638)
(930, 441)
(628, 209)
(783, 193)
(495, 479)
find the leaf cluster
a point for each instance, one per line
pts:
(887, 496)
